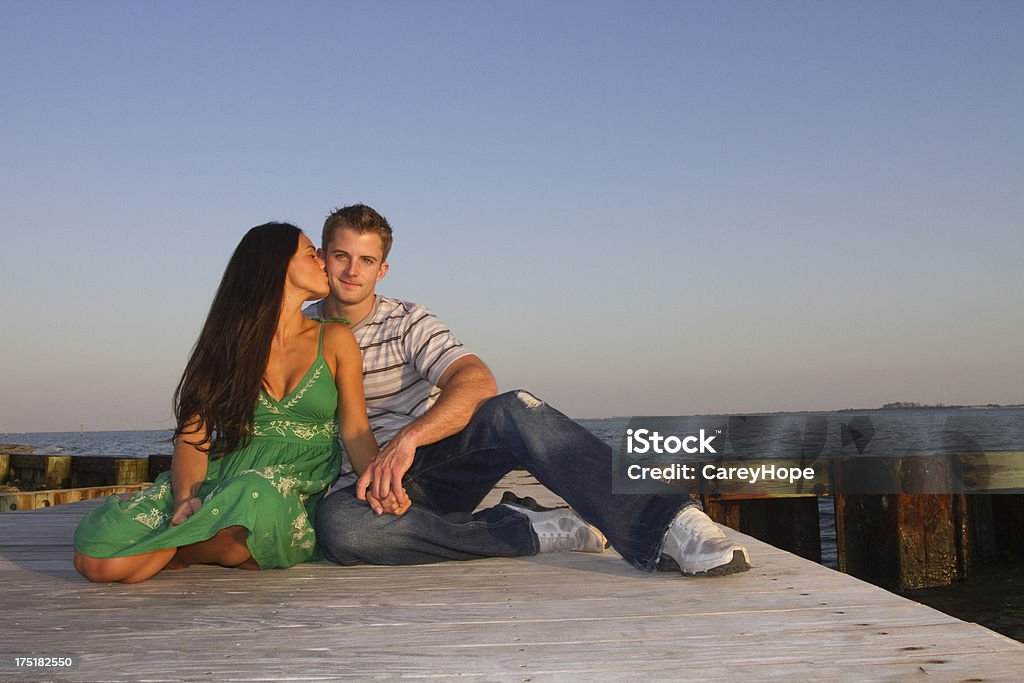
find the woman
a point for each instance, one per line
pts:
(254, 446)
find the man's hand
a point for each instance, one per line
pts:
(184, 510)
(383, 477)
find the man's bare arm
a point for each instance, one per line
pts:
(464, 386)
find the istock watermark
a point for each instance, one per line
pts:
(874, 452)
(751, 475)
(646, 441)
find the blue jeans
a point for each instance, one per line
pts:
(449, 478)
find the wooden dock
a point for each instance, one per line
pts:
(898, 541)
(547, 618)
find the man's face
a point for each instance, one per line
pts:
(355, 263)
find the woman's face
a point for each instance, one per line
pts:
(306, 271)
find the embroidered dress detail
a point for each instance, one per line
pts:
(295, 399)
(148, 495)
(152, 518)
(265, 402)
(300, 430)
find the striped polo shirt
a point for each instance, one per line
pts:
(406, 349)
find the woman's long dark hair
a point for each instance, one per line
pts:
(225, 372)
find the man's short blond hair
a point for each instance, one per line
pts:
(360, 218)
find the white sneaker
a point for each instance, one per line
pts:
(698, 546)
(562, 530)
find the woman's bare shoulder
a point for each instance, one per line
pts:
(338, 335)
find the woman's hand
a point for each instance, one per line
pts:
(184, 510)
(389, 505)
(383, 476)
(188, 470)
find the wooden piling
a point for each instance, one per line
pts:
(789, 523)
(976, 538)
(1008, 523)
(103, 471)
(52, 471)
(158, 464)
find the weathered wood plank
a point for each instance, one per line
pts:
(993, 471)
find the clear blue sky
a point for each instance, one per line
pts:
(627, 207)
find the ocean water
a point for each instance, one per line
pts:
(891, 432)
(133, 444)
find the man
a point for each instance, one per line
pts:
(446, 440)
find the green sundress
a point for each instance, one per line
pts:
(271, 487)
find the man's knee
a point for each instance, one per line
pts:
(527, 399)
(510, 403)
(343, 528)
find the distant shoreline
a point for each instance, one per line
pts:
(905, 405)
(888, 407)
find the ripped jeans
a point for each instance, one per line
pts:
(449, 478)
